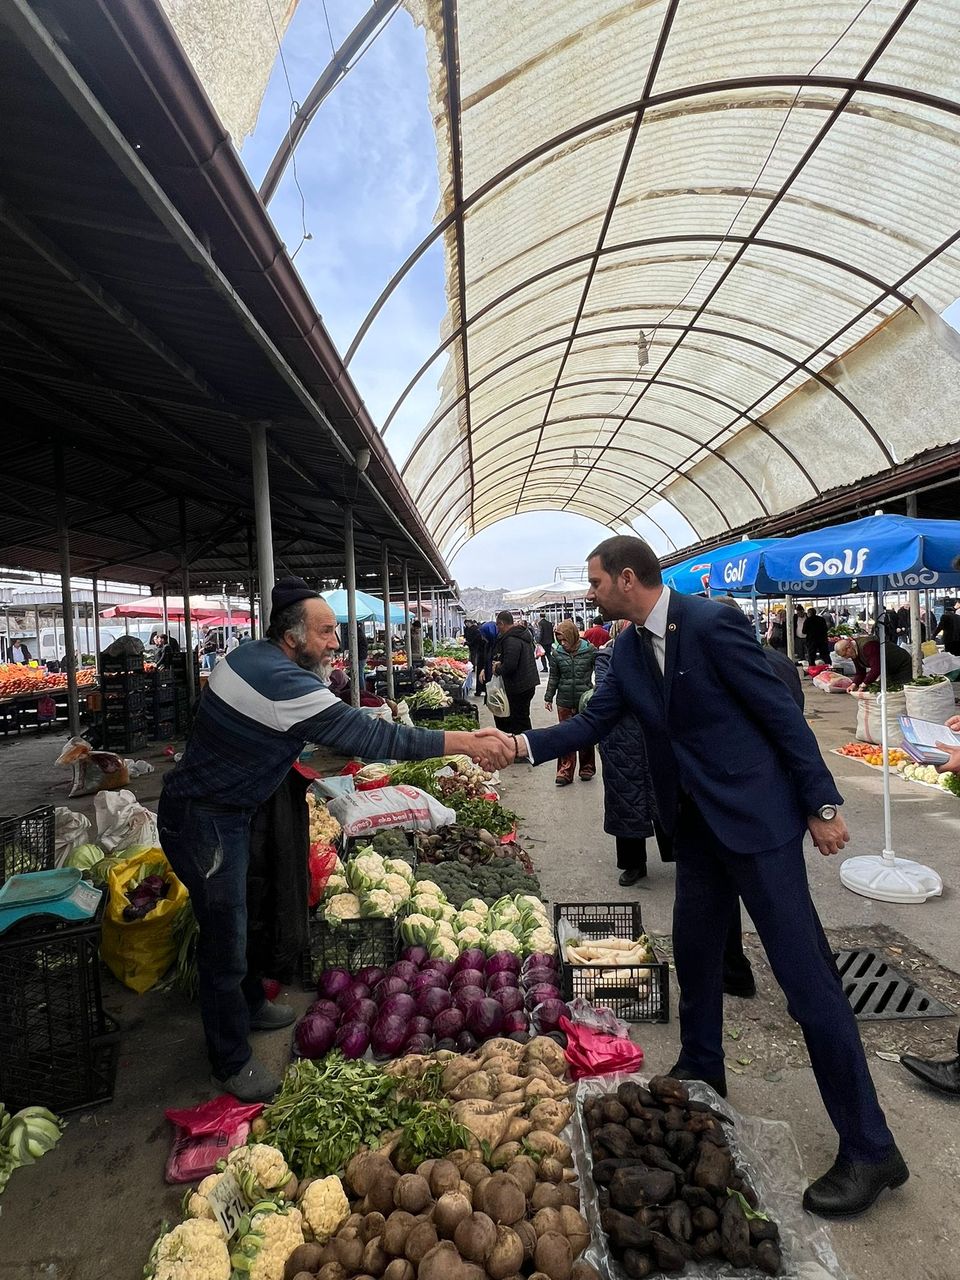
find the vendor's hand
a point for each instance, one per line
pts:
(548, 705)
(829, 837)
(491, 748)
(496, 668)
(953, 764)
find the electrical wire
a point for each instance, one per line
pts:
(305, 235)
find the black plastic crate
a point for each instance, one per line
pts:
(123, 663)
(635, 993)
(352, 944)
(457, 708)
(164, 730)
(57, 1045)
(164, 680)
(125, 739)
(27, 843)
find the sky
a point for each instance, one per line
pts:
(367, 171)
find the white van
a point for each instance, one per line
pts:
(52, 648)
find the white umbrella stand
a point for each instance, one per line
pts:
(886, 877)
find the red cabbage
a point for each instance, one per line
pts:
(466, 978)
(467, 997)
(448, 1024)
(388, 1035)
(404, 969)
(471, 958)
(520, 1037)
(511, 999)
(449, 1046)
(466, 1043)
(420, 1027)
(353, 1039)
(485, 1018)
(432, 1001)
(351, 994)
(332, 982)
(538, 994)
(415, 954)
(371, 975)
(329, 1009)
(314, 1035)
(501, 960)
(388, 987)
(365, 1011)
(399, 1005)
(419, 1044)
(540, 960)
(533, 978)
(546, 1016)
(515, 1021)
(497, 981)
(440, 966)
(429, 978)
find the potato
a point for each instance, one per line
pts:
(554, 1255)
(546, 1195)
(475, 1237)
(420, 1241)
(442, 1263)
(449, 1212)
(501, 1199)
(332, 1271)
(305, 1257)
(548, 1221)
(379, 1197)
(443, 1177)
(396, 1229)
(506, 1256)
(524, 1173)
(575, 1229)
(550, 1170)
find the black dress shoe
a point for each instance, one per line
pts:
(943, 1076)
(631, 875)
(740, 984)
(850, 1187)
(717, 1083)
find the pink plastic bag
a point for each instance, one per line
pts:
(205, 1134)
(592, 1054)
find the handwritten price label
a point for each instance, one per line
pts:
(228, 1204)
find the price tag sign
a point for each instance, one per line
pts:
(228, 1204)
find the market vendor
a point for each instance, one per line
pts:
(263, 702)
(864, 653)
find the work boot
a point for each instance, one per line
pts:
(630, 875)
(252, 1083)
(272, 1017)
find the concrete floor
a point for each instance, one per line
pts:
(103, 1187)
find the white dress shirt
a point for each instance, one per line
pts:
(656, 624)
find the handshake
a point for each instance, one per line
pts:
(489, 748)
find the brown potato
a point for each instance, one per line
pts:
(546, 1195)
(443, 1177)
(475, 1237)
(396, 1229)
(524, 1173)
(501, 1198)
(506, 1256)
(412, 1193)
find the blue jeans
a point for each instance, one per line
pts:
(209, 849)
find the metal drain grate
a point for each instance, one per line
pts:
(876, 990)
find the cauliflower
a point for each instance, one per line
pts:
(470, 936)
(397, 887)
(467, 920)
(418, 930)
(427, 889)
(443, 949)
(426, 906)
(540, 940)
(335, 884)
(325, 1208)
(261, 1170)
(397, 867)
(528, 900)
(477, 906)
(501, 940)
(196, 1204)
(194, 1250)
(345, 906)
(365, 871)
(265, 1240)
(378, 902)
(444, 929)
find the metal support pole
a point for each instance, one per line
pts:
(96, 623)
(36, 623)
(187, 621)
(63, 541)
(166, 611)
(916, 640)
(261, 504)
(253, 612)
(420, 606)
(407, 621)
(351, 578)
(86, 630)
(434, 620)
(387, 627)
(927, 609)
(791, 632)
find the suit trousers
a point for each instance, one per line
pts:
(774, 889)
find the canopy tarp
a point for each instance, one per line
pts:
(202, 608)
(692, 576)
(369, 608)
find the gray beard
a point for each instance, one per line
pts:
(321, 669)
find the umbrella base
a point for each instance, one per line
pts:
(890, 879)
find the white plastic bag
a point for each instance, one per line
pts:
(409, 808)
(869, 726)
(938, 664)
(498, 703)
(70, 829)
(930, 702)
(123, 822)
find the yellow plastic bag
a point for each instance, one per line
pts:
(139, 952)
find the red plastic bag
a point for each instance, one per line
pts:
(322, 859)
(593, 1054)
(205, 1134)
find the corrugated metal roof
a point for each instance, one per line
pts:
(662, 218)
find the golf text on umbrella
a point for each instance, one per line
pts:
(814, 565)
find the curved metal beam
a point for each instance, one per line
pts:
(327, 80)
(625, 247)
(875, 88)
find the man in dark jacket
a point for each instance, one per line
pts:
(515, 664)
(949, 627)
(545, 636)
(815, 632)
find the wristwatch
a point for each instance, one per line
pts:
(827, 812)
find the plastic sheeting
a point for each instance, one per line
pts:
(674, 218)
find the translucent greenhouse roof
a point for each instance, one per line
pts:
(661, 219)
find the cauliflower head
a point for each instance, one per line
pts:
(397, 887)
(325, 1208)
(476, 906)
(443, 949)
(428, 889)
(265, 1240)
(345, 906)
(336, 883)
(377, 902)
(194, 1250)
(196, 1204)
(540, 940)
(468, 920)
(418, 930)
(397, 867)
(501, 940)
(365, 871)
(470, 936)
(427, 906)
(260, 1169)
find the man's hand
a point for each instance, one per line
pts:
(496, 668)
(829, 837)
(953, 764)
(491, 748)
(548, 705)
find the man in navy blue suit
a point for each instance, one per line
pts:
(739, 780)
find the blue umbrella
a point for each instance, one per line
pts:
(369, 608)
(692, 576)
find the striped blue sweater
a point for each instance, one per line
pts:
(257, 712)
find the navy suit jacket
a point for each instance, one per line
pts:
(721, 726)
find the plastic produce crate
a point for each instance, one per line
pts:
(57, 1046)
(125, 738)
(352, 944)
(124, 663)
(635, 993)
(27, 843)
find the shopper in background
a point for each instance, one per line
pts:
(415, 656)
(545, 637)
(628, 801)
(19, 653)
(815, 635)
(474, 642)
(949, 627)
(515, 664)
(777, 630)
(597, 634)
(489, 635)
(208, 650)
(864, 653)
(572, 662)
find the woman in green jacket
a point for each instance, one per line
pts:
(571, 675)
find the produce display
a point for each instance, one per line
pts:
(450, 724)
(458, 652)
(444, 775)
(668, 1187)
(324, 828)
(430, 698)
(870, 753)
(904, 764)
(518, 924)
(460, 880)
(17, 678)
(366, 885)
(25, 1137)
